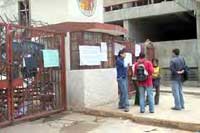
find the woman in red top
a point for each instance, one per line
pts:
(145, 84)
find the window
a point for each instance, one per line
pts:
(107, 9)
(91, 39)
(117, 7)
(24, 13)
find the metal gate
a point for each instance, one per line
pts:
(28, 87)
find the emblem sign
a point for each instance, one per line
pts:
(87, 7)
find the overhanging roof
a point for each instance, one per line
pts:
(87, 26)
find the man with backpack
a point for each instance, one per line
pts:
(143, 73)
(178, 69)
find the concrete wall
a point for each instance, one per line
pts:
(49, 11)
(198, 33)
(188, 49)
(52, 11)
(144, 11)
(188, 4)
(87, 88)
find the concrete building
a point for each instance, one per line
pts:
(168, 23)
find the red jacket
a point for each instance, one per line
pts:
(149, 67)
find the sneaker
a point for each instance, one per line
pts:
(174, 108)
(152, 112)
(141, 111)
(126, 110)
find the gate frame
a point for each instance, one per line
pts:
(9, 62)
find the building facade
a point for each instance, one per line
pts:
(51, 12)
(168, 23)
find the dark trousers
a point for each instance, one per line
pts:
(137, 95)
(156, 86)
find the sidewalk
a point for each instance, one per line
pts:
(187, 119)
(186, 90)
(80, 123)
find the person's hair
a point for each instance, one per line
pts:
(136, 59)
(176, 51)
(142, 55)
(121, 52)
(155, 60)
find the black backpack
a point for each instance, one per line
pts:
(141, 75)
(186, 71)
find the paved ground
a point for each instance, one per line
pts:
(79, 123)
(191, 113)
(187, 90)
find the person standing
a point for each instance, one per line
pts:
(177, 65)
(122, 81)
(135, 84)
(156, 80)
(143, 72)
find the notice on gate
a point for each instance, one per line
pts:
(90, 55)
(50, 58)
(104, 51)
(128, 60)
(137, 50)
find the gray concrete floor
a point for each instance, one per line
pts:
(163, 111)
(79, 123)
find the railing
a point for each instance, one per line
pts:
(136, 3)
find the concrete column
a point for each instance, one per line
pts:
(134, 34)
(198, 35)
(129, 25)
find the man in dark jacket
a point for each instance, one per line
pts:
(177, 65)
(122, 81)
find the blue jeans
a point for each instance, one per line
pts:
(123, 92)
(178, 94)
(150, 98)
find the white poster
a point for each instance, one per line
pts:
(137, 50)
(104, 51)
(128, 60)
(90, 55)
(118, 47)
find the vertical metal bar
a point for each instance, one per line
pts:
(63, 72)
(9, 70)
